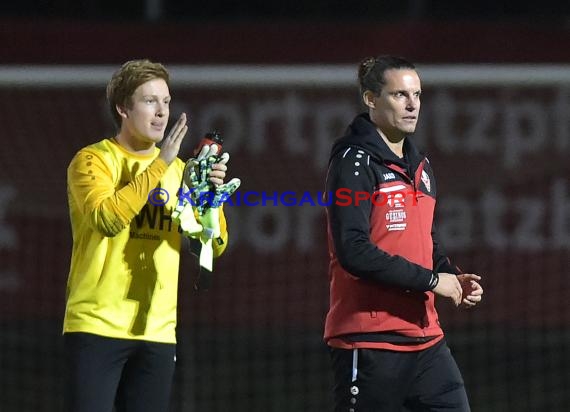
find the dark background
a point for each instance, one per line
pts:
(253, 343)
(317, 10)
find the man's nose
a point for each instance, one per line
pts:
(162, 110)
(412, 104)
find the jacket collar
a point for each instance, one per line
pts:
(362, 133)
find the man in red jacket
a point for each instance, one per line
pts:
(387, 348)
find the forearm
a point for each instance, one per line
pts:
(115, 212)
(361, 258)
(109, 209)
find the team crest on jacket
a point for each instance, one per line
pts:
(425, 179)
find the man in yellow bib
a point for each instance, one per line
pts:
(120, 317)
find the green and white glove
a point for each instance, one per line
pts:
(194, 182)
(209, 216)
(196, 175)
(199, 197)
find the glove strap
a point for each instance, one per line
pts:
(204, 280)
(207, 255)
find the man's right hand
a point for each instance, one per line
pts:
(449, 287)
(171, 143)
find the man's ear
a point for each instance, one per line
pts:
(122, 111)
(368, 99)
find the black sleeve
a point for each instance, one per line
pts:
(350, 228)
(441, 263)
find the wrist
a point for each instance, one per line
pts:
(433, 281)
(162, 162)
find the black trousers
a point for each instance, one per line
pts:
(374, 380)
(130, 375)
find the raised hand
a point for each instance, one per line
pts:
(170, 145)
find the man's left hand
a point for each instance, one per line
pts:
(472, 290)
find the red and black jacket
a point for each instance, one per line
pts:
(384, 257)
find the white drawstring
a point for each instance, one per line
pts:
(354, 364)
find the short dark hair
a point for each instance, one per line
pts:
(371, 71)
(126, 80)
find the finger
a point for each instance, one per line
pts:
(476, 284)
(475, 295)
(216, 181)
(476, 292)
(214, 149)
(178, 138)
(224, 158)
(468, 303)
(458, 295)
(182, 119)
(203, 152)
(179, 125)
(476, 287)
(208, 151)
(230, 187)
(474, 298)
(219, 166)
(220, 174)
